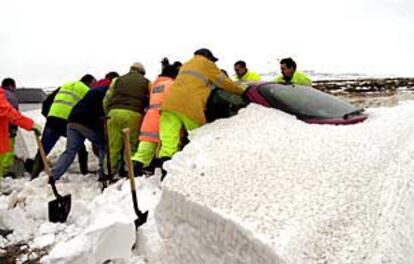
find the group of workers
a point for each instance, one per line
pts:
(157, 113)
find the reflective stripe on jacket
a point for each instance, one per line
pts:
(190, 90)
(151, 124)
(67, 97)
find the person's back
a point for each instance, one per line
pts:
(66, 98)
(185, 104)
(124, 103)
(106, 82)
(130, 91)
(189, 93)
(84, 122)
(290, 75)
(149, 134)
(89, 110)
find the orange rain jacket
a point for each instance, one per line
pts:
(150, 126)
(9, 115)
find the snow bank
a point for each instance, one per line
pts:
(263, 187)
(100, 225)
(260, 187)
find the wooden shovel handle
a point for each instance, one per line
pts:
(127, 151)
(43, 156)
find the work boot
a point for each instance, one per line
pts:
(28, 165)
(37, 166)
(138, 168)
(150, 169)
(163, 171)
(102, 179)
(83, 162)
(11, 174)
(122, 172)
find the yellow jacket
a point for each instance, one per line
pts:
(298, 78)
(189, 93)
(249, 76)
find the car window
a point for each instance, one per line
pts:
(305, 101)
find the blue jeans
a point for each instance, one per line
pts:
(54, 129)
(76, 135)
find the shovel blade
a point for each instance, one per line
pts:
(59, 209)
(142, 219)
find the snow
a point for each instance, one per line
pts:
(310, 193)
(261, 187)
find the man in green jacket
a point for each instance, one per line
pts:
(243, 74)
(290, 75)
(124, 104)
(66, 98)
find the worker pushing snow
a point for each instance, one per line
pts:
(9, 115)
(149, 135)
(65, 99)
(124, 103)
(84, 122)
(186, 101)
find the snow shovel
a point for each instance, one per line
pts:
(60, 207)
(142, 217)
(106, 178)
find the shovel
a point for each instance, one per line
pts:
(142, 217)
(106, 178)
(60, 207)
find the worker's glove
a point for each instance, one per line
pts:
(37, 129)
(244, 85)
(244, 96)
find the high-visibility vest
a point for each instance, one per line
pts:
(150, 126)
(298, 78)
(249, 76)
(68, 96)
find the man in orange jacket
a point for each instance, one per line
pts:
(149, 135)
(8, 115)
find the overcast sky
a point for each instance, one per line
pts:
(49, 42)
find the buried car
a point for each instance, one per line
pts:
(306, 103)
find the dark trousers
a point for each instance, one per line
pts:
(76, 135)
(54, 129)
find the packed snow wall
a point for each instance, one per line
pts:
(263, 187)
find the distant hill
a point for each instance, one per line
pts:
(30, 95)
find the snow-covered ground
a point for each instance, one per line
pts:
(318, 76)
(261, 187)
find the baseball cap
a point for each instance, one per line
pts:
(206, 53)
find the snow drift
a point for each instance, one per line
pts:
(263, 187)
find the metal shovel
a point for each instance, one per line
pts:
(142, 217)
(60, 207)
